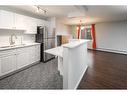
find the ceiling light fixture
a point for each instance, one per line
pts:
(37, 9)
(40, 9)
(81, 24)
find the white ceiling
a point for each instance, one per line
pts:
(92, 14)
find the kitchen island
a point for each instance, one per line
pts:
(72, 62)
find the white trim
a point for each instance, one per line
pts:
(113, 51)
(81, 78)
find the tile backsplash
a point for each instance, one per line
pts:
(21, 37)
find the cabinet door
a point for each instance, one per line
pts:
(22, 58)
(31, 25)
(32, 54)
(19, 21)
(37, 53)
(6, 19)
(8, 64)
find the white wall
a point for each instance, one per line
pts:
(62, 29)
(51, 25)
(112, 36)
(28, 38)
(5, 36)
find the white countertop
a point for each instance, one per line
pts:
(18, 46)
(75, 43)
(58, 51)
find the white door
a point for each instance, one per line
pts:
(7, 64)
(6, 19)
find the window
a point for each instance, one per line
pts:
(86, 33)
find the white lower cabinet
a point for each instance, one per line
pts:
(32, 54)
(22, 58)
(7, 64)
(11, 60)
(37, 52)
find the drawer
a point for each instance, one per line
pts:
(20, 50)
(7, 52)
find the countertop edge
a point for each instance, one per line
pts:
(27, 45)
(76, 44)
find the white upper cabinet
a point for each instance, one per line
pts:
(6, 19)
(10, 20)
(19, 21)
(31, 25)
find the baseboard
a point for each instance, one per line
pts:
(112, 51)
(16, 71)
(81, 78)
(49, 59)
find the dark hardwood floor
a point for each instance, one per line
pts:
(105, 71)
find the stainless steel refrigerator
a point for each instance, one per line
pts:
(47, 40)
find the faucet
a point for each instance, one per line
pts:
(11, 40)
